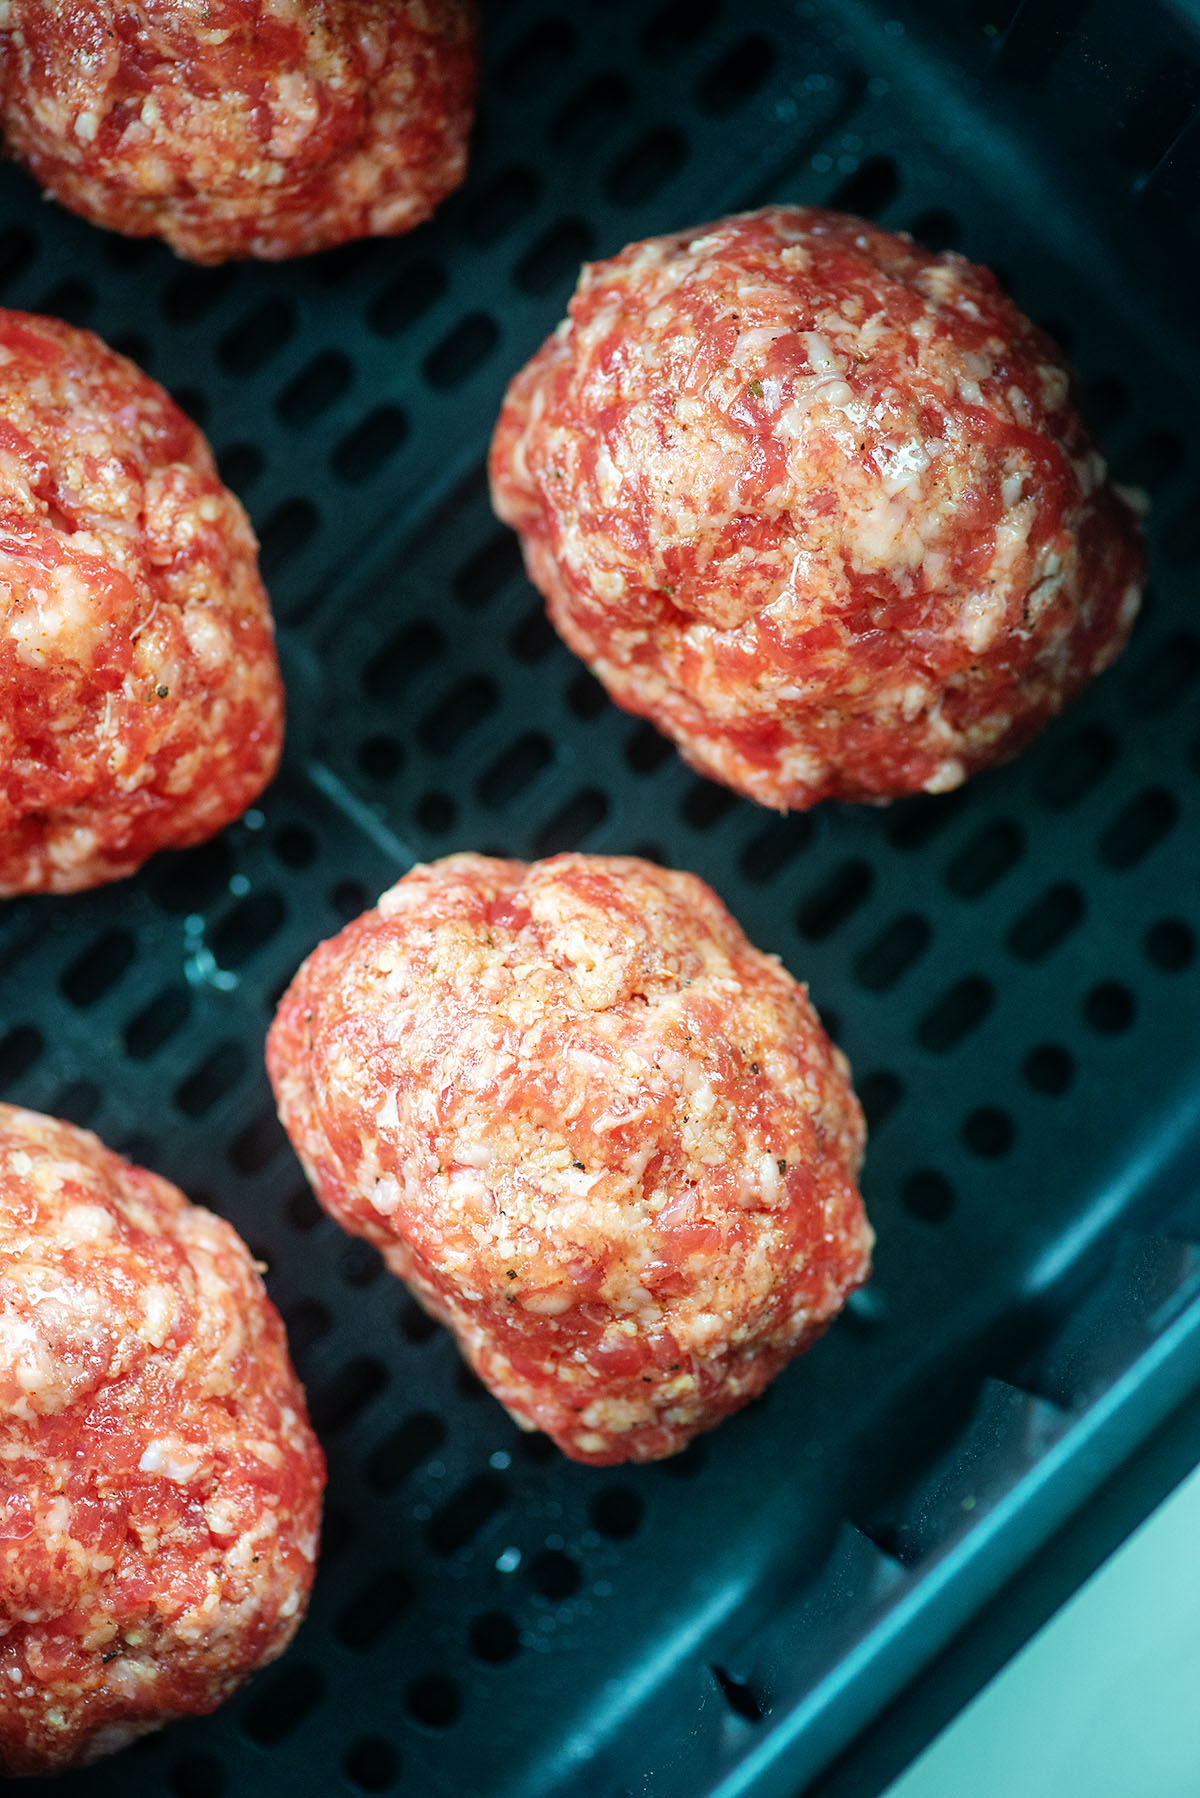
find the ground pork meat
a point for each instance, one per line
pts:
(241, 127)
(160, 1487)
(140, 700)
(604, 1138)
(819, 504)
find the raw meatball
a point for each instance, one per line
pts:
(160, 1488)
(242, 127)
(819, 504)
(604, 1139)
(140, 700)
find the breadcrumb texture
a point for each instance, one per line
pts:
(264, 128)
(818, 503)
(160, 1487)
(604, 1139)
(140, 700)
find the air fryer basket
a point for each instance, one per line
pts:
(1011, 969)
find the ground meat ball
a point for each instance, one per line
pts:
(140, 701)
(604, 1139)
(242, 127)
(160, 1488)
(819, 504)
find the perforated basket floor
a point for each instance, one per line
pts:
(1012, 970)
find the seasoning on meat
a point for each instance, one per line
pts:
(140, 700)
(818, 503)
(160, 1487)
(241, 127)
(604, 1139)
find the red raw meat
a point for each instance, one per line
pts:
(242, 127)
(604, 1138)
(818, 503)
(160, 1487)
(140, 700)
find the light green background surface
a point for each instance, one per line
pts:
(1104, 1702)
